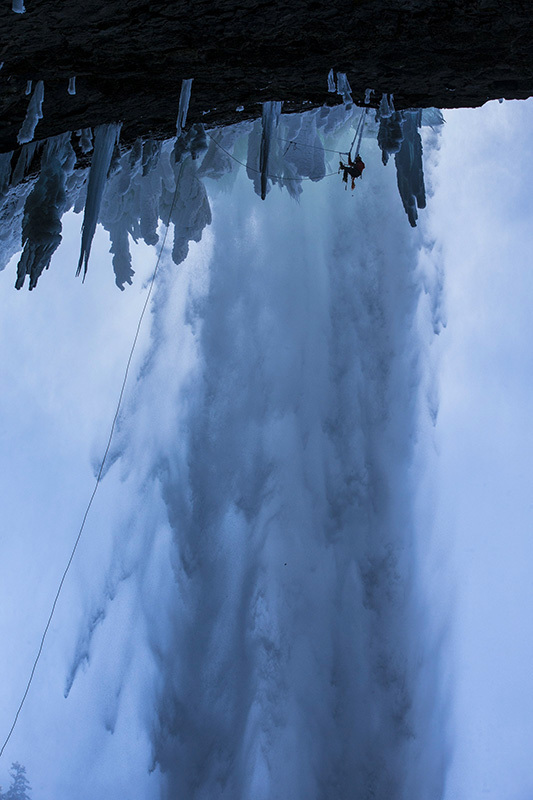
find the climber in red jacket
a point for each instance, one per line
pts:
(353, 168)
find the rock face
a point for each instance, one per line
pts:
(130, 56)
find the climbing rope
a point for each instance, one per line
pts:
(358, 135)
(274, 177)
(312, 146)
(362, 126)
(291, 143)
(100, 471)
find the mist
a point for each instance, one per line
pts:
(247, 616)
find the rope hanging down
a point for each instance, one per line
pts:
(358, 135)
(358, 148)
(100, 471)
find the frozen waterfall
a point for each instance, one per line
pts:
(129, 190)
(246, 621)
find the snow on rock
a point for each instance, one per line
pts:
(105, 139)
(33, 115)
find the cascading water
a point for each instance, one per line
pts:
(256, 630)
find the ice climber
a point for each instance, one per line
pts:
(353, 168)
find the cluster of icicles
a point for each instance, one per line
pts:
(130, 190)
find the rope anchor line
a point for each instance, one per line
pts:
(100, 472)
(292, 143)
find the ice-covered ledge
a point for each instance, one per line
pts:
(129, 58)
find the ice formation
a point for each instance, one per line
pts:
(5, 172)
(86, 140)
(269, 123)
(386, 106)
(33, 115)
(398, 135)
(390, 135)
(28, 87)
(18, 6)
(253, 626)
(331, 81)
(183, 107)
(44, 207)
(131, 192)
(259, 596)
(72, 85)
(105, 139)
(409, 167)
(344, 88)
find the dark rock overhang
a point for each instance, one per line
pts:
(129, 58)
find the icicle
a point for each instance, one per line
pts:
(386, 106)
(86, 140)
(120, 248)
(409, 168)
(150, 155)
(33, 115)
(185, 96)
(344, 88)
(105, 138)
(368, 92)
(390, 135)
(24, 160)
(269, 121)
(5, 171)
(72, 85)
(331, 81)
(28, 87)
(18, 6)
